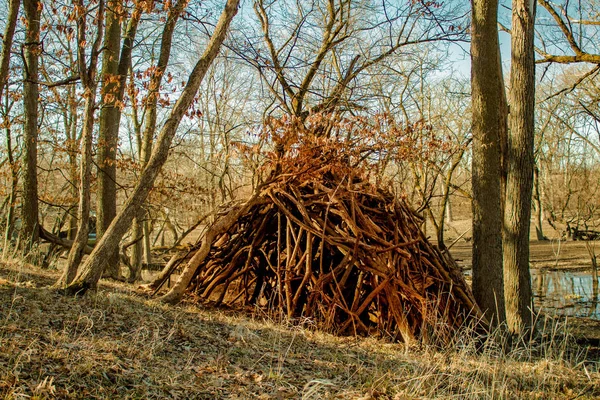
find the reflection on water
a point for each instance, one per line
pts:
(573, 293)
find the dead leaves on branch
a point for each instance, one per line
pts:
(325, 244)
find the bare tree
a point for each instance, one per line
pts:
(520, 164)
(320, 48)
(7, 39)
(115, 70)
(14, 173)
(32, 48)
(9, 31)
(108, 132)
(88, 76)
(92, 270)
(140, 224)
(488, 126)
(570, 35)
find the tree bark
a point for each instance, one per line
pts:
(488, 123)
(220, 226)
(519, 184)
(108, 134)
(538, 207)
(83, 211)
(140, 226)
(32, 46)
(92, 269)
(7, 39)
(88, 80)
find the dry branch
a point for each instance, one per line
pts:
(325, 244)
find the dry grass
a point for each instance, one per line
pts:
(116, 344)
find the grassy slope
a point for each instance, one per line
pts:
(116, 344)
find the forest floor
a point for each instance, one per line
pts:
(115, 343)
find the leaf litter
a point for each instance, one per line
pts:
(115, 343)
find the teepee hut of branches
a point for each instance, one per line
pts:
(319, 241)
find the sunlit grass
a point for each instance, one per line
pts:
(116, 344)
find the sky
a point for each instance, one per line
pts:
(460, 58)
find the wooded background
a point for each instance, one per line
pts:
(95, 96)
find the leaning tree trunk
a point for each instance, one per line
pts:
(108, 134)
(220, 226)
(29, 207)
(141, 250)
(9, 32)
(91, 271)
(517, 216)
(88, 79)
(488, 122)
(7, 39)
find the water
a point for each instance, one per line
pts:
(566, 292)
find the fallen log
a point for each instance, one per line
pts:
(63, 242)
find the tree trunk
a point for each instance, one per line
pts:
(445, 210)
(108, 134)
(9, 32)
(89, 83)
(166, 271)
(221, 225)
(7, 39)
(29, 208)
(137, 251)
(71, 131)
(83, 212)
(92, 269)
(141, 250)
(594, 286)
(488, 123)
(14, 175)
(538, 207)
(519, 183)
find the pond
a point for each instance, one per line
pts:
(566, 292)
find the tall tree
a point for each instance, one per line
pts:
(311, 54)
(92, 270)
(520, 157)
(88, 76)
(114, 74)
(32, 48)
(9, 32)
(108, 133)
(140, 224)
(488, 127)
(7, 39)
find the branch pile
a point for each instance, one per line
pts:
(320, 242)
(332, 248)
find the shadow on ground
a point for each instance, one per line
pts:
(114, 343)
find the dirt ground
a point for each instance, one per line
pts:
(553, 253)
(544, 254)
